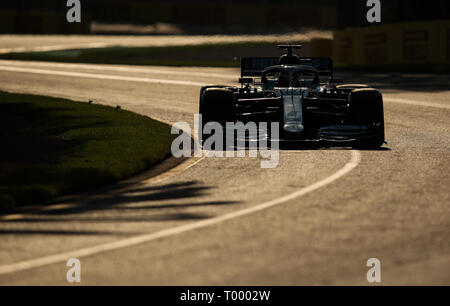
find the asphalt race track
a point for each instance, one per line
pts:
(315, 219)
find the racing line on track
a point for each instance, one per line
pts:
(89, 251)
(101, 76)
(117, 68)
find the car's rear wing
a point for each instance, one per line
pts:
(254, 66)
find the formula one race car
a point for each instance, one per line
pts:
(303, 97)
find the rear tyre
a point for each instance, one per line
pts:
(216, 105)
(366, 109)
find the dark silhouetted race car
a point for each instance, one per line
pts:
(303, 97)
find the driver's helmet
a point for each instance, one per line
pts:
(316, 80)
(284, 80)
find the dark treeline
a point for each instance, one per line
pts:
(330, 14)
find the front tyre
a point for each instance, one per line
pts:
(366, 109)
(216, 105)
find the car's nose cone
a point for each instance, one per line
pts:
(293, 127)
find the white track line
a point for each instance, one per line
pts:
(89, 251)
(118, 68)
(54, 47)
(180, 168)
(101, 76)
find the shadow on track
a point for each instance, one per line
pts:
(157, 203)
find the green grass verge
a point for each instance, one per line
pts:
(51, 147)
(212, 55)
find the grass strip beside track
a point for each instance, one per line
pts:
(51, 147)
(205, 55)
(212, 55)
